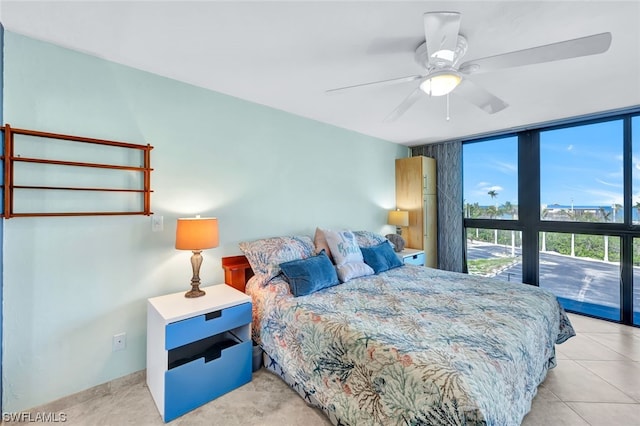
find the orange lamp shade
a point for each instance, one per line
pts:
(197, 233)
(398, 218)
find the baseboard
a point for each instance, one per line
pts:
(103, 389)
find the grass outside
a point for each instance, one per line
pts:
(490, 267)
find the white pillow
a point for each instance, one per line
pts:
(344, 246)
(346, 255)
(353, 270)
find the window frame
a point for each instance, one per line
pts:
(530, 223)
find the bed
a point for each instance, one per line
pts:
(409, 345)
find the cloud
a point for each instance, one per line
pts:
(570, 147)
(615, 185)
(605, 198)
(507, 168)
(496, 188)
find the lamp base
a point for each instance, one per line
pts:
(196, 261)
(194, 292)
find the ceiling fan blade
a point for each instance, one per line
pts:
(583, 46)
(405, 105)
(441, 35)
(376, 83)
(479, 97)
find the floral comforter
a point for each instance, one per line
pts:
(413, 345)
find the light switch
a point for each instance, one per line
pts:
(157, 223)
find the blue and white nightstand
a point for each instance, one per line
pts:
(197, 349)
(411, 256)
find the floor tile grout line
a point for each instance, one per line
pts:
(577, 414)
(600, 402)
(586, 320)
(577, 361)
(606, 381)
(607, 347)
(553, 393)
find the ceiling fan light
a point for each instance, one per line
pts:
(440, 84)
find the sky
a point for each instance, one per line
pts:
(581, 164)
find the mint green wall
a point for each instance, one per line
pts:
(70, 284)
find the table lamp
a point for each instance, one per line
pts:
(196, 234)
(398, 218)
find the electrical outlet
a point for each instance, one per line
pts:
(157, 223)
(119, 342)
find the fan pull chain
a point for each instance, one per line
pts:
(448, 107)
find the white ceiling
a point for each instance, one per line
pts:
(286, 54)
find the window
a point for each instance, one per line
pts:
(573, 225)
(583, 271)
(581, 177)
(635, 169)
(491, 179)
(495, 253)
(636, 281)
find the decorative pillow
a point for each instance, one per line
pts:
(344, 247)
(306, 276)
(352, 270)
(320, 241)
(368, 238)
(381, 257)
(266, 255)
(346, 255)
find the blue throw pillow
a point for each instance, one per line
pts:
(306, 276)
(381, 257)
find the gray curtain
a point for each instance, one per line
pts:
(450, 227)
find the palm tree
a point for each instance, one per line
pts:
(571, 214)
(493, 194)
(492, 212)
(606, 216)
(544, 214)
(616, 208)
(474, 210)
(508, 208)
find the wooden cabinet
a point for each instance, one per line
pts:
(416, 193)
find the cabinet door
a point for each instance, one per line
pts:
(431, 230)
(409, 191)
(429, 175)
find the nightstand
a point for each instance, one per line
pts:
(411, 256)
(197, 349)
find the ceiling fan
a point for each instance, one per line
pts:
(441, 53)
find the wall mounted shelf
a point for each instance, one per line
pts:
(51, 174)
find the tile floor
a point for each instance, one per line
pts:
(596, 382)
